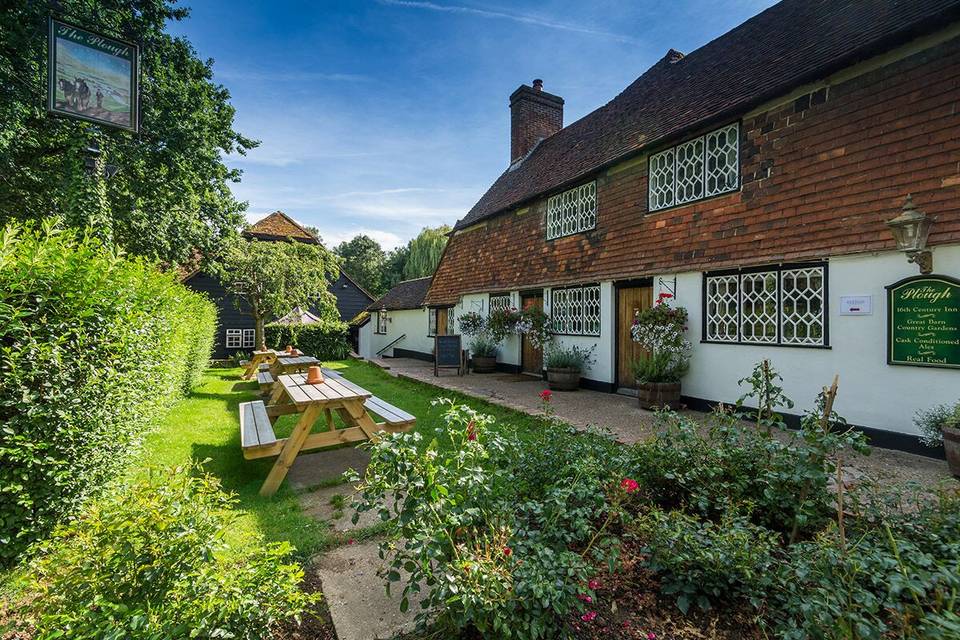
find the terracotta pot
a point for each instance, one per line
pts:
(563, 379)
(314, 375)
(290, 348)
(484, 364)
(951, 444)
(659, 394)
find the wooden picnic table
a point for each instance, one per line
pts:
(292, 394)
(259, 357)
(285, 364)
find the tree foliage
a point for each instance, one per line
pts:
(170, 196)
(425, 252)
(271, 278)
(363, 259)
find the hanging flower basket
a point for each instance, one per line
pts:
(661, 331)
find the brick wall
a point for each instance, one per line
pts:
(534, 115)
(820, 176)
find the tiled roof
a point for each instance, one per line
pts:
(406, 295)
(279, 226)
(299, 315)
(790, 44)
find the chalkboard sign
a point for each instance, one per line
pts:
(447, 353)
(923, 322)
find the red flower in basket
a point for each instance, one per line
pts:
(663, 296)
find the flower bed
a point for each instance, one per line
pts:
(723, 532)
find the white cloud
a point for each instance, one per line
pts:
(515, 17)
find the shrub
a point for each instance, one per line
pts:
(574, 357)
(483, 347)
(149, 561)
(897, 577)
(931, 422)
(495, 551)
(702, 562)
(95, 346)
(323, 340)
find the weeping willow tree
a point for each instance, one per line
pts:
(425, 251)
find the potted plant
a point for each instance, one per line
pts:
(661, 330)
(941, 425)
(564, 366)
(483, 351)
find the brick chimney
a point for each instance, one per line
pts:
(534, 115)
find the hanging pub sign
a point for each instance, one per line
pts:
(92, 76)
(923, 322)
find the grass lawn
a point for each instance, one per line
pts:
(205, 426)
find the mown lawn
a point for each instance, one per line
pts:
(205, 426)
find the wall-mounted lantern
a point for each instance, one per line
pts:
(910, 230)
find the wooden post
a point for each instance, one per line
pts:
(290, 450)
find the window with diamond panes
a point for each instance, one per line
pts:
(722, 313)
(700, 168)
(785, 306)
(500, 303)
(576, 310)
(572, 211)
(801, 321)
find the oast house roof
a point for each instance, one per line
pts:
(790, 44)
(408, 294)
(279, 226)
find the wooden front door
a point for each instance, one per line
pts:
(629, 301)
(441, 321)
(531, 358)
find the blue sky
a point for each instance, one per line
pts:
(385, 116)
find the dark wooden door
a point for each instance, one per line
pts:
(531, 358)
(629, 301)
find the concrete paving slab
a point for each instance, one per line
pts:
(316, 469)
(355, 595)
(323, 504)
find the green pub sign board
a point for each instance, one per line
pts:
(923, 322)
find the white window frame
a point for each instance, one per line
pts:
(572, 211)
(380, 327)
(234, 339)
(681, 174)
(249, 338)
(776, 316)
(576, 311)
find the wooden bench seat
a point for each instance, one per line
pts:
(256, 432)
(393, 416)
(244, 363)
(265, 380)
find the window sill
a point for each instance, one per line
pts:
(674, 207)
(769, 344)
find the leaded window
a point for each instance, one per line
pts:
(576, 310)
(572, 211)
(779, 305)
(234, 338)
(382, 321)
(249, 338)
(700, 168)
(500, 302)
(431, 322)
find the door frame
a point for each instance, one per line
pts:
(617, 286)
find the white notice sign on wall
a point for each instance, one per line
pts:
(856, 305)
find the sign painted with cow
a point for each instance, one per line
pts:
(92, 76)
(923, 322)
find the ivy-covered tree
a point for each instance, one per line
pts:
(394, 266)
(363, 259)
(425, 252)
(170, 196)
(274, 277)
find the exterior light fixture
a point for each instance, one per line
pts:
(910, 230)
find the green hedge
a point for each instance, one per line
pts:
(324, 340)
(94, 346)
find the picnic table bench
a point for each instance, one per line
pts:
(292, 394)
(258, 358)
(291, 364)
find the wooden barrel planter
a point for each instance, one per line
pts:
(484, 364)
(659, 394)
(951, 445)
(563, 379)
